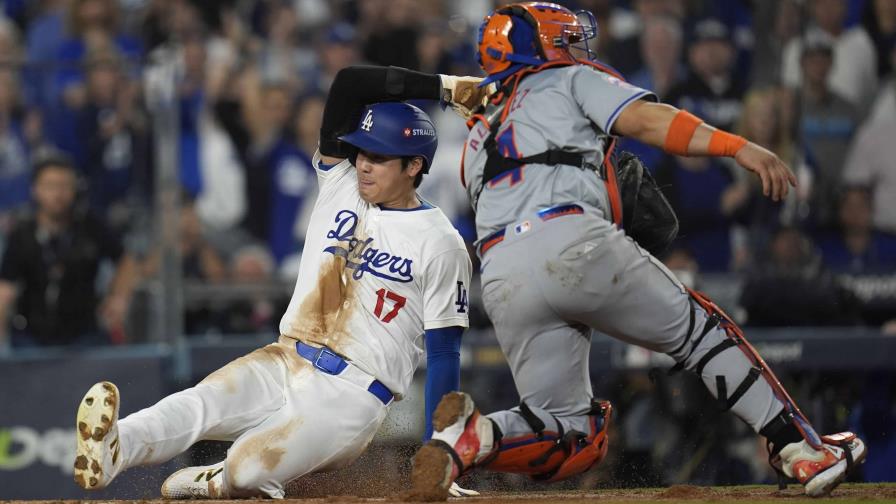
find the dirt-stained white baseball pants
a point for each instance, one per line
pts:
(286, 419)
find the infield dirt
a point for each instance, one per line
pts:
(846, 493)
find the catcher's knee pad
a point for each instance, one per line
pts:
(758, 367)
(554, 456)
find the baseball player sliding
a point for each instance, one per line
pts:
(537, 167)
(382, 272)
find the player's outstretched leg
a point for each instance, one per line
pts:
(98, 458)
(819, 463)
(461, 438)
(702, 338)
(202, 482)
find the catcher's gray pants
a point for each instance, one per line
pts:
(547, 282)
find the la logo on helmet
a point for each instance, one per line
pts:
(367, 123)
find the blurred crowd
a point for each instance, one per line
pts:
(811, 80)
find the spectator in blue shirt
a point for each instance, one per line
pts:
(708, 199)
(827, 122)
(293, 186)
(105, 135)
(857, 248)
(46, 32)
(279, 175)
(20, 131)
(661, 43)
(91, 25)
(712, 89)
(211, 171)
(15, 170)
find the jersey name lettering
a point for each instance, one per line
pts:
(363, 258)
(482, 133)
(518, 100)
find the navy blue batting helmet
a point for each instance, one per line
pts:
(395, 129)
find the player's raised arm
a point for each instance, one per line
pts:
(684, 134)
(357, 86)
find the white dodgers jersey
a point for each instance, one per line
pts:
(372, 279)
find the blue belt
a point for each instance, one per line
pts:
(324, 359)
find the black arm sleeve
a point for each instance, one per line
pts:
(357, 86)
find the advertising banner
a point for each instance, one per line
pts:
(38, 405)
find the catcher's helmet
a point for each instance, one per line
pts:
(533, 33)
(395, 129)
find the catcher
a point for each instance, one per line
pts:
(566, 233)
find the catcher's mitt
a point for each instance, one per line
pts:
(464, 94)
(647, 215)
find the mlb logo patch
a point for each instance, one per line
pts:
(522, 227)
(407, 132)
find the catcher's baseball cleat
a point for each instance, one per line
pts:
(98, 457)
(820, 471)
(203, 482)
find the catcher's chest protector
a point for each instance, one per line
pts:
(637, 204)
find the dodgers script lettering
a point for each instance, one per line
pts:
(361, 256)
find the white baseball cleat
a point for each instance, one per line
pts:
(98, 458)
(820, 471)
(456, 490)
(203, 482)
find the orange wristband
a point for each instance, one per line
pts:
(722, 143)
(681, 130)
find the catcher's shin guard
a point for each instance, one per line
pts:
(717, 317)
(819, 463)
(554, 456)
